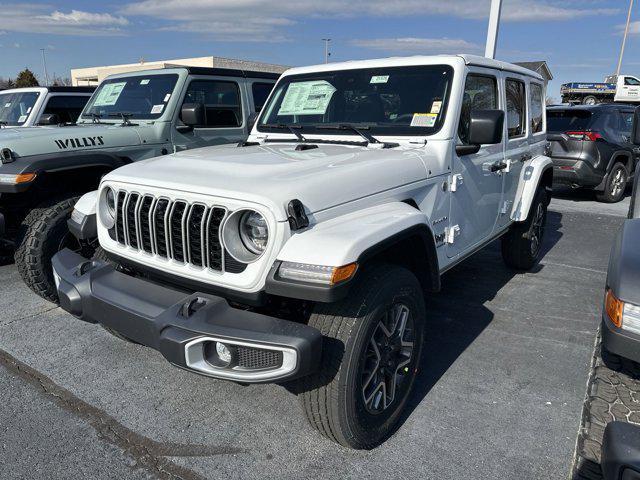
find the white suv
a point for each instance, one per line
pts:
(306, 251)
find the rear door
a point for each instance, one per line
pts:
(478, 191)
(224, 100)
(626, 128)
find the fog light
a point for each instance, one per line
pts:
(219, 355)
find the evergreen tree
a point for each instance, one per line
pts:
(26, 78)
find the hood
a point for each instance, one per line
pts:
(275, 174)
(25, 142)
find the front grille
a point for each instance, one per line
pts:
(258, 358)
(173, 229)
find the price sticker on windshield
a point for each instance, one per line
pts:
(22, 119)
(379, 79)
(307, 98)
(424, 119)
(109, 94)
(144, 81)
(157, 109)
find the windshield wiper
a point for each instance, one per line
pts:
(292, 128)
(125, 116)
(360, 131)
(95, 117)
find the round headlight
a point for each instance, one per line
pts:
(254, 232)
(110, 201)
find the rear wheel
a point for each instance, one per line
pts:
(371, 350)
(615, 186)
(522, 244)
(590, 100)
(42, 234)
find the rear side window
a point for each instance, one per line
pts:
(561, 121)
(516, 108)
(480, 93)
(68, 108)
(537, 107)
(626, 123)
(260, 93)
(221, 101)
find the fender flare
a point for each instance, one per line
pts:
(355, 237)
(83, 222)
(532, 174)
(616, 155)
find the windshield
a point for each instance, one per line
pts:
(560, 121)
(16, 107)
(385, 101)
(143, 97)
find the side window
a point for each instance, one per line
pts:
(626, 123)
(480, 93)
(67, 108)
(537, 107)
(221, 100)
(260, 93)
(516, 108)
(631, 81)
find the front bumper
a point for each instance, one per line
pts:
(181, 325)
(619, 341)
(575, 173)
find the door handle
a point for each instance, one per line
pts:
(496, 167)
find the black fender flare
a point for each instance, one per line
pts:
(616, 156)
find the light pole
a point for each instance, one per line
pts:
(494, 26)
(327, 54)
(44, 65)
(624, 38)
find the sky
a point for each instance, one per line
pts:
(580, 40)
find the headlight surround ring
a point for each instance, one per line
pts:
(107, 207)
(245, 235)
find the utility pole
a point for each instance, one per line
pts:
(327, 54)
(624, 39)
(494, 26)
(44, 65)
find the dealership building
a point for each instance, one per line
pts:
(95, 75)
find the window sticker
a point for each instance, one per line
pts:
(379, 79)
(157, 109)
(29, 110)
(109, 94)
(307, 98)
(424, 119)
(7, 105)
(436, 106)
(22, 118)
(144, 81)
(167, 97)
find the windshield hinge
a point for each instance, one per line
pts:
(451, 234)
(456, 181)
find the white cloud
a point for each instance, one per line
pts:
(266, 20)
(412, 45)
(634, 28)
(33, 18)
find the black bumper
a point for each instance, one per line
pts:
(157, 316)
(575, 173)
(619, 341)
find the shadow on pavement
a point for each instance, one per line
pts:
(580, 194)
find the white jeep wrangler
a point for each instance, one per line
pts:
(305, 252)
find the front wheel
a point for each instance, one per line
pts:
(371, 351)
(590, 100)
(42, 234)
(522, 244)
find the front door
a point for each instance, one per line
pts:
(628, 90)
(224, 113)
(477, 190)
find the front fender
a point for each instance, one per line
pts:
(530, 178)
(344, 239)
(83, 222)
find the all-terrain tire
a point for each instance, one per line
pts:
(616, 185)
(40, 236)
(333, 398)
(522, 244)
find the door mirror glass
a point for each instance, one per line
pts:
(193, 114)
(49, 119)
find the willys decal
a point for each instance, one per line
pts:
(79, 142)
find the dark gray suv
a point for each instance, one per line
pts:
(591, 148)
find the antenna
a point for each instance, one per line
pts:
(624, 38)
(327, 53)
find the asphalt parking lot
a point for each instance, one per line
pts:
(500, 394)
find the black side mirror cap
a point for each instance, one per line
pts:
(193, 114)
(49, 119)
(486, 127)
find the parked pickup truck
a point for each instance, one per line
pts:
(26, 107)
(622, 88)
(130, 117)
(305, 253)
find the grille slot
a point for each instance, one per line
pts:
(173, 229)
(258, 358)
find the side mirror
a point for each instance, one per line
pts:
(49, 119)
(193, 114)
(485, 128)
(635, 133)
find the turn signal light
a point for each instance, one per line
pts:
(340, 274)
(614, 308)
(25, 177)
